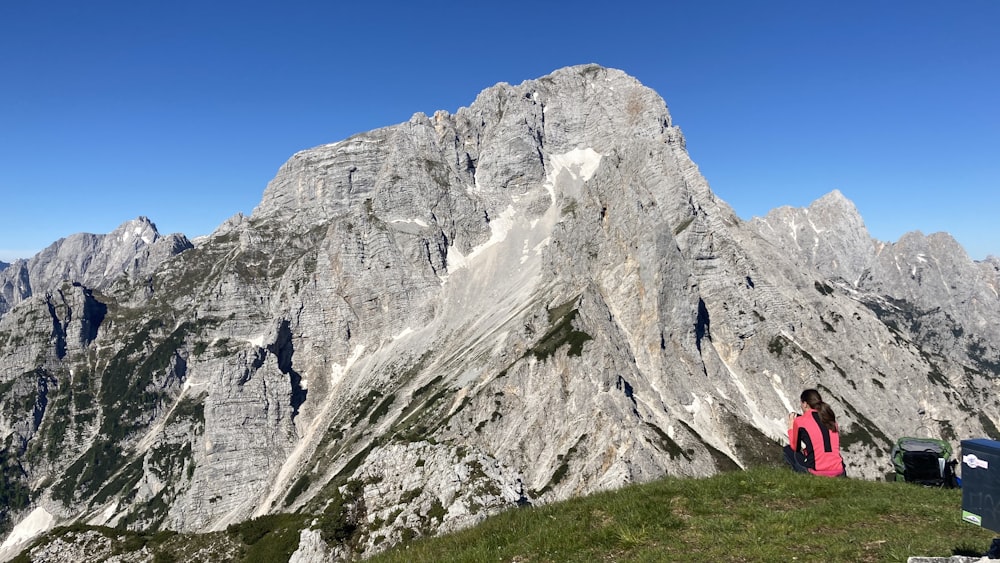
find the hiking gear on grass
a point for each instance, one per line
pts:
(924, 461)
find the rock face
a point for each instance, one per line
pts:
(533, 298)
(133, 250)
(924, 288)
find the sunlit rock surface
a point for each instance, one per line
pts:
(533, 298)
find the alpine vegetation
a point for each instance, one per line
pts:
(534, 298)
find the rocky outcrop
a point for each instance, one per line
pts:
(925, 288)
(134, 250)
(829, 236)
(535, 297)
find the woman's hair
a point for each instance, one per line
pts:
(812, 398)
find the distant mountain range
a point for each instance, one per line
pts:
(535, 298)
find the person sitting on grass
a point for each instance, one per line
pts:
(814, 438)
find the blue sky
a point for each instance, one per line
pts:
(183, 111)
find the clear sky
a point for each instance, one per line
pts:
(182, 111)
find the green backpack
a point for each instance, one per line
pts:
(924, 461)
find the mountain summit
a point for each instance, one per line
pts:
(535, 297)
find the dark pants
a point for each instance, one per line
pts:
(796, 460)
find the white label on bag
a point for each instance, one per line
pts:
(972, 461)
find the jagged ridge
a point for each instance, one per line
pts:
(536, 297)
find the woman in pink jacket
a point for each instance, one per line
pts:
(814, 438)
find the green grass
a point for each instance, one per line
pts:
(766, 514)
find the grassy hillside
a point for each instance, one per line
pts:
(766, 514)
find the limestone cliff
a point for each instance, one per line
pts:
(535, 297)
(134, 250)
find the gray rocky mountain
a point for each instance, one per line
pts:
(924, 287)
(134, 250)
(535, 297)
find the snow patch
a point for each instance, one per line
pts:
(581, 164)
(338, 371)
(694, 407)
(189, 383)
(257, 341)
(35, 523)
(105, 516)
(536, 250)
(499, 227)
(781, 395)
(764, 221)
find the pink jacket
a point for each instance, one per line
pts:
(820, 446)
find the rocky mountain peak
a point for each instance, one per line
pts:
(135, 248)
(834, 204)
(533, 297)
(828, 235)
(139, 231)
(499, 143)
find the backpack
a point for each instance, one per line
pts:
(924, 461)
